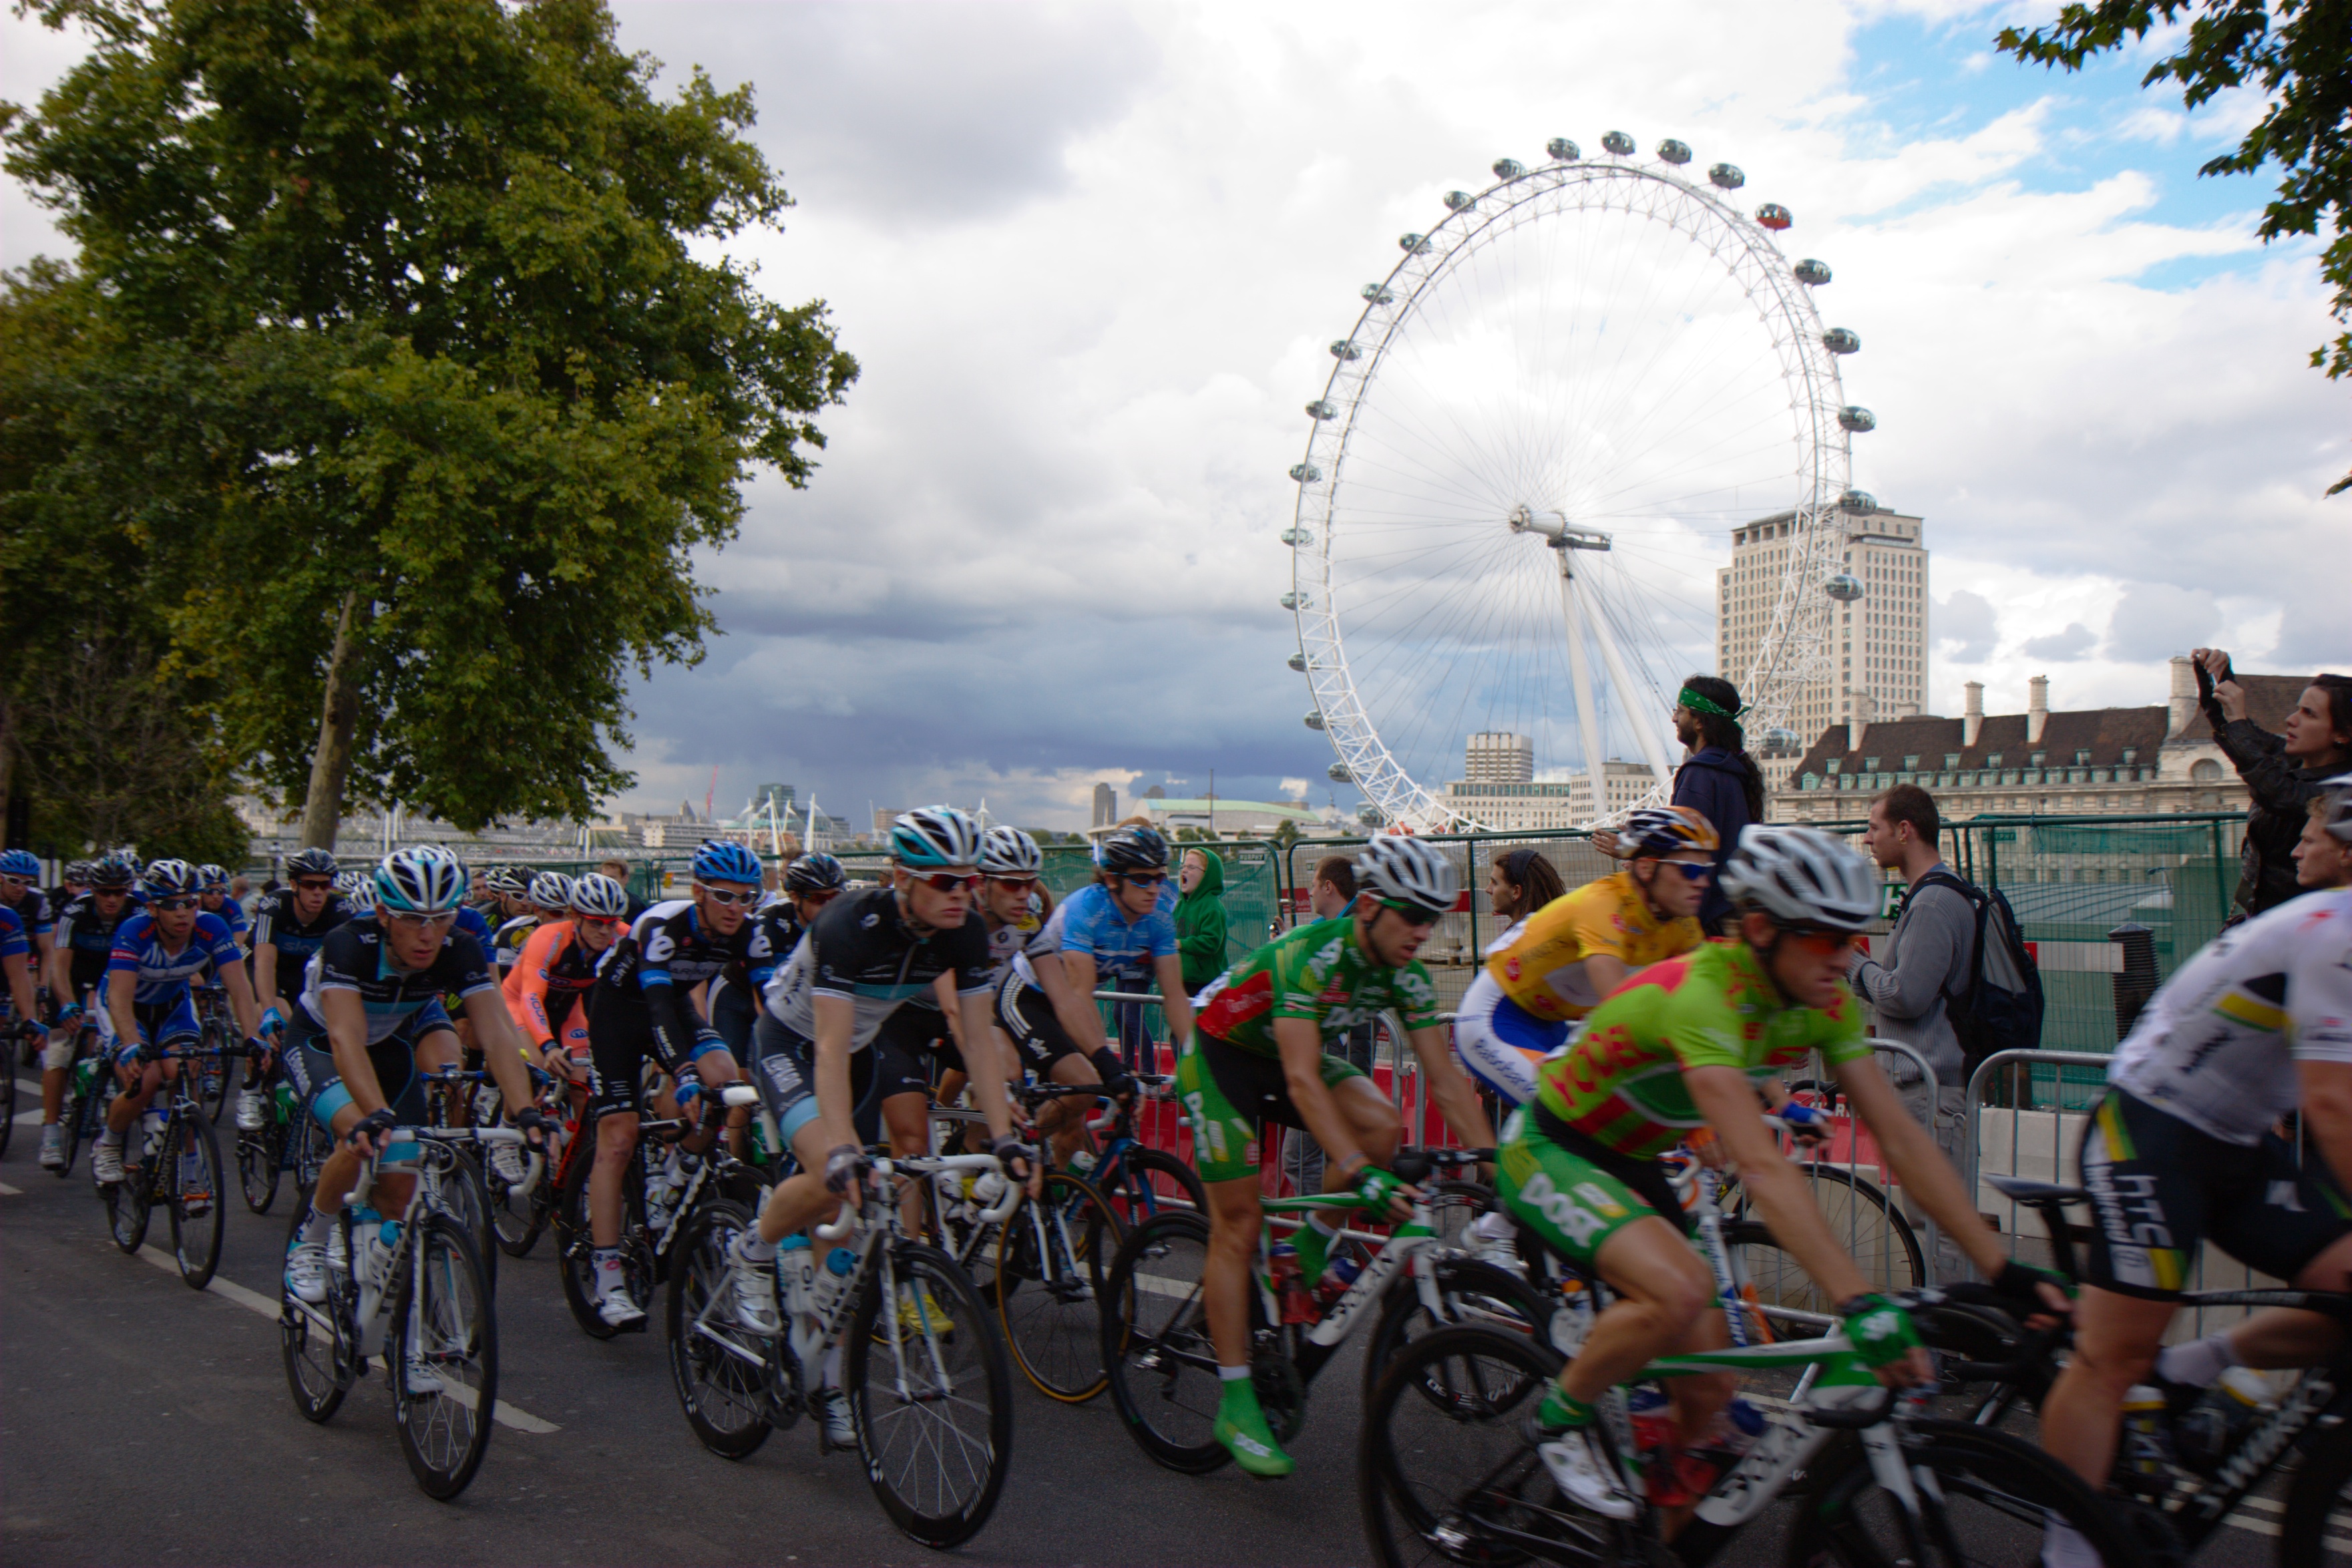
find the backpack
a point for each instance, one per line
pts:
(2000, 1007)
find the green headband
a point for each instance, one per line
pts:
(1698, 704)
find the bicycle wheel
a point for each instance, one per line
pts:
(1147, 1182)
(1155, 1349)
(725, 1396)
(131, 1201)
(260, 1160)
(316, 1341)
(1050, 1300)
(1473, 1292)
(312, 1145)
(2317, 1529)
(578, 1260)
(935, 1415)
(1872, 1230)
(8, 1105)
(466, 1194)
(1458, 1481)
(516, 1217)
(191, 1181)
(1997, 1491)
(215, 1075)
(445, 1358)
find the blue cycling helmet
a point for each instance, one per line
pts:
(1137, 849)
(212, 876)
(419, 882)
(19, 863)
(935, 836)
(815, 872)
(720, 861)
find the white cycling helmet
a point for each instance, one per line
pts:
(597, 894)
(427, 881)
(1009, 852)
(1802, 877)
(1409, 871)
(550, 890)
(935, 836)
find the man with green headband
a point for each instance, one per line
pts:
(1718, 780)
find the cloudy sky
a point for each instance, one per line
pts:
(1090, 256)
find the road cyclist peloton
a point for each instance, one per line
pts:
(149, 1004)
(1690, 1044)
(2186, 1148)
(82, 947)
(818, 1043)
(808, 883)
(1260, 1052)
(643, 1008)
(370, 1007)
(289, 924)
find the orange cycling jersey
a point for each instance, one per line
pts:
(546, 980)
(1542, 969)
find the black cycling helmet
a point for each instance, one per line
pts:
(815, 873)
(1132, 849)
(111, 877)
(312, 862)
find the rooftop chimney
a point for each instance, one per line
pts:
(2183, 705)
(1972, 721)
(2037, 709)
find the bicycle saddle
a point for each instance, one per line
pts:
(2027, 1192)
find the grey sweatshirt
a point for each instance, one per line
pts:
(1930, 949)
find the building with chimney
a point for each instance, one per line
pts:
(2069, 762)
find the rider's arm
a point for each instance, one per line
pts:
(1449, 1086)
(525, 987)
(506, 1051)
(1605, 972)
(240, 999)
(1925, 1174)
(1724, 1097)
(1174, 1004)
(676, 1022)
(60, 968)
(121, 992)
(837, 1026)
(1074, 1005)
(265, 978)
(1300, 1043)
(20, 986)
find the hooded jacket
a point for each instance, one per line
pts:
(1712, 781)
(2283, 789)
(1201, 925)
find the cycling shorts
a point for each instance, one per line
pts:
(1575, 1194)
(621, 1041)
(920, 1036)
(784, 1065)
(1027, 1016)
(2160, 1187)
(1501, 1044)
(1229, 1094)
(731, 1009)
(160, 1024)
(310, 1067)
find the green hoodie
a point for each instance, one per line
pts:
(1200, 922)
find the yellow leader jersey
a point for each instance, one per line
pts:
(1542, 969)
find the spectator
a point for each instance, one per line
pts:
(1719, 779)
(1200, 919)
(2323, 856)
(241, 889)
(2283, 773)
(1518, 884)
(613, 866)
(1334, 889)
(1930, 952)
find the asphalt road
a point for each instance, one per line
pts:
(142, 1421)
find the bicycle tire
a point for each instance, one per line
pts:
(2018, 1485)
(313, 1145)
(1151, 1181)
(1480, 1290)
(444, 1301)
(131, 1202)
(516, 1229)
(2321, 1493)
(8, 1108)
(467, 1192)
(975, 1362)
(317, 1381)
(261, 1166)
(725, 1402)
(578, 1265)
(1156, 1342)
(1459, 1482)
(196, 1236)
(215, 1075)
(1051, 1311)
(1894, 1263)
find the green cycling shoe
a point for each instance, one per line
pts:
(1240, 1427)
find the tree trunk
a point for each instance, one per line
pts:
(331, 764)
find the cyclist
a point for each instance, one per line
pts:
(158, 953)
(1117, 932)
(1685, 1046)
(512, 932)
(1262, 1052)
(817, 1043)
(557, 968)
(643, 1008)
(370, 998)
(84, 945)
(17, 968)
(2186, 1147)
(1549, 970)
(211, 898)
(1044, 1009)
(2323, 855)
(288, 927)
(21, 895)
(810, 883)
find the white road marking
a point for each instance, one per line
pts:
(8, 1192)
(502, 1412)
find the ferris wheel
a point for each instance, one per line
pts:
(1521, 480)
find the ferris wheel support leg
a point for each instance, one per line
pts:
(1629, 693)
(1579, 670)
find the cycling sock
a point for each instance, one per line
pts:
(2197, 1364)
(1560, 1410)
(316, 1225)
(608, 1267)
(112, 1136)
(750, 1248)
(1232, 1374)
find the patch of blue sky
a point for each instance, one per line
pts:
(1916, 79)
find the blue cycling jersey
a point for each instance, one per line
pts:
(12, 934)
(231, 914)
(471, 924)
(163, 977)
(1124, 951)
(32, 912)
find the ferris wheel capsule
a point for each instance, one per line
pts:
(1337, 774)
(1856, 418)
(1728, 176)
(1845, 587)
(1306, 473)
(1811, 273)
(1674, 151)
(1617, 142)
(1857, 500)
(1378, 293)
(1344, 350)
(1774, 216)
(1456, 200)
(1296, 661)
(1291, 601)
(1414, 244)
(1322, 408)
(1560, 150)
(1315, 720)
(1295, 537)
(1841, 340)
(1509, 168)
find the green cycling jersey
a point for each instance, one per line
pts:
(1319, 974)
(1620, 1084)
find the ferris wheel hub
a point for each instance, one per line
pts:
(1554, 529)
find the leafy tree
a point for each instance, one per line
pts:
(430, 400)
(2300, 53)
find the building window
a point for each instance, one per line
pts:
(2204, 769)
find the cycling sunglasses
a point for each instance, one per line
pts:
(1824, 943)
(949, 881)
(327, 886)
(442, 921)
(1015, 881)
(173, 905)
(1143, 879)
(1694, 870)
(1416, 914)
(721, 895)
(600, 921)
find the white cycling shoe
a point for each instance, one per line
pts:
(53, 1147)
(306, 1271)
(1582, 1476)
(618, 1309)
(419, 1379)
(833, 1416)
(105, 1163)
(249, 1117)
(507, 1163)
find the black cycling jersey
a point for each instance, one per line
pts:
(353, 958)
(277, 923)
(863, 949)
(778, 931)
(35, 913)
(85, 932)
(666, 953)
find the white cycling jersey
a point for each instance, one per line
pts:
(2217, 1046)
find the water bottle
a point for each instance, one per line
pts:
(151, 1131)
(797, 1264)
(286, 1106)
(2205, 1433)
(833, 1278)
(1083, 1162)
(367, 1243)
(1342, 1271)
(2146, 1458)
(1290, 1284)
(85, 1076)
(988, 1189)
(1727, 1440)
